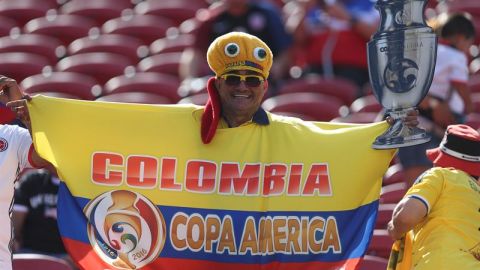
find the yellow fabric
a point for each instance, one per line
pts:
(401, 253)
(449, 238)
(68, 132)
(246, 58)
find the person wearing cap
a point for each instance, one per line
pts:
(443, 206)
(241, 63)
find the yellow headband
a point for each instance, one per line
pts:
(239, 51)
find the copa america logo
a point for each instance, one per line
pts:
(125, 229)
(3, 144)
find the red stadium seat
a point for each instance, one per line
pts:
(317, 106)
(373, 263)
(193, 86)
(47, 46)
(171, 44)
(113, 43)
(70, 83)
(384, 215)
(101, 66)
(474, 83)
(168, 63)
(23, 11)
(64, 27)
(393, 193)
(19, 65)
(136, 97)
(476, 102)
(394, 174)
(145, 27)
(366, 104)
(6, 25)
(150, 82)
(340, 88)
(198, 99)
(39, 261)
(100, 11)
(381, 244)
(357, 118)
(176, 10)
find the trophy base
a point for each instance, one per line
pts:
(399, 135)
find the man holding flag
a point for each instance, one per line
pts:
(225, 186)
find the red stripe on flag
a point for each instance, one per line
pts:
(87, 259)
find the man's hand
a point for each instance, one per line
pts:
(19, 107)
(9, 90)
(410, 119)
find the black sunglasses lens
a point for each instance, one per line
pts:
(232, 80)
(252, 81)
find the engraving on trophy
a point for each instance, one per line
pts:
(402, 17)
(414, 45)
(400, 75)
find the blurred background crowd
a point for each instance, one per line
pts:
(153, 51)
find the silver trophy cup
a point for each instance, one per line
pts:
(401, 63)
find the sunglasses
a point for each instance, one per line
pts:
(235, 79)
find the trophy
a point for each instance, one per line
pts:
(401, 63)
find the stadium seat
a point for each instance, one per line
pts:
(100, 11)
(6, 25)
(39, 261)
(340, 88)
(176, 10)
(23, 11)
(19, 65)
(474, 83)
(193, 86)
(145, 27)
(394, 174)
(62, 26)
(368, 103)
(357, 118)
(168, 63)
(70, 83)
(135, 97)
(370, 262)
(476, 101)
(319, 107)
(171, 44)
(102, 66)
(393, 193)
(113, 43)
(384, 215)
(380, 244)
(150, 82)
(46, 46)
(198, 99)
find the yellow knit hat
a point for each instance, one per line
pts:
(239, 51)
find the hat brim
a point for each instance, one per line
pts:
(441, 159)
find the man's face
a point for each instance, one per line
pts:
(244, 98)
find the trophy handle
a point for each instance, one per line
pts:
(400, 135)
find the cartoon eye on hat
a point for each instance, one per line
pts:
(232, 49)
(259, 53)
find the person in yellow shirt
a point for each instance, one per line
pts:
(443, 206)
